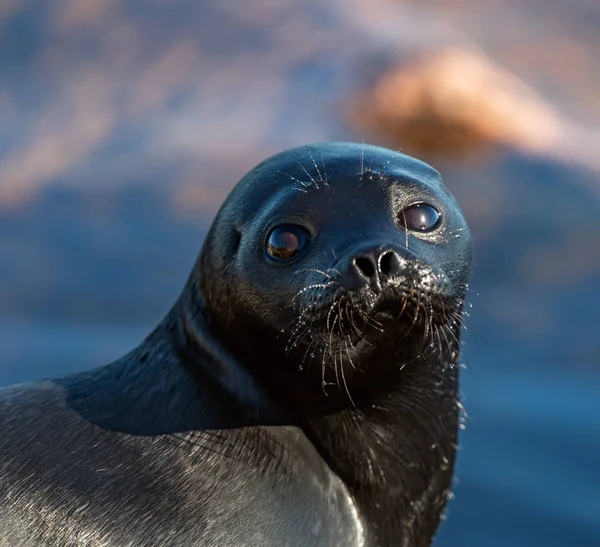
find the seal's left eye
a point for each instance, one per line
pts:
(420, 217)
(284, 242)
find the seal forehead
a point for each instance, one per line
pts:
(329, 161)
(315, 166)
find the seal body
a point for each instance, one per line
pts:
(301, 391)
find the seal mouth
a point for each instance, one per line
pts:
(402, 313)
(354, 315)
(400, 298)
(389, 313)
(418, 303)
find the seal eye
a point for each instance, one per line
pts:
(420, 217)
(286, 241)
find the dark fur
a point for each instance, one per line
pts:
(275, 404)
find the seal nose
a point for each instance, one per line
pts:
(377, 265)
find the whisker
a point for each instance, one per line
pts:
(329, 276)
(302, 183)
(321, 180)
(365, 316)
(344, 377)
(308, 175)
(324, 170)
(362, 157)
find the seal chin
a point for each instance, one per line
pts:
(389, 312)
(414, 303)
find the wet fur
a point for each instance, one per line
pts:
(273, 405)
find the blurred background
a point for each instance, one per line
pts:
(124, 124)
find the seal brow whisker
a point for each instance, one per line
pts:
(321, 179)
(324, 169)
(362, 157)
(309, 175)
(305, 185)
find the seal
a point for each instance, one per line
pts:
(303, 389)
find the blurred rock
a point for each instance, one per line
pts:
(458, 100)
(95, 91)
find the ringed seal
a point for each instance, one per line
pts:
(302, 391)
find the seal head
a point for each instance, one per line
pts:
(336, 274)
(327, 260)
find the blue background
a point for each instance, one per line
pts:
(124, 124)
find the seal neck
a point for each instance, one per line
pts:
(199, 349)
(178, 379)
(410, 423)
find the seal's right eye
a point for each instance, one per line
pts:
(286, 241)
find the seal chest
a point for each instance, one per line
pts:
(303, 390)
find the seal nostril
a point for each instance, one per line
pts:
(389, 263)
(365, 266)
